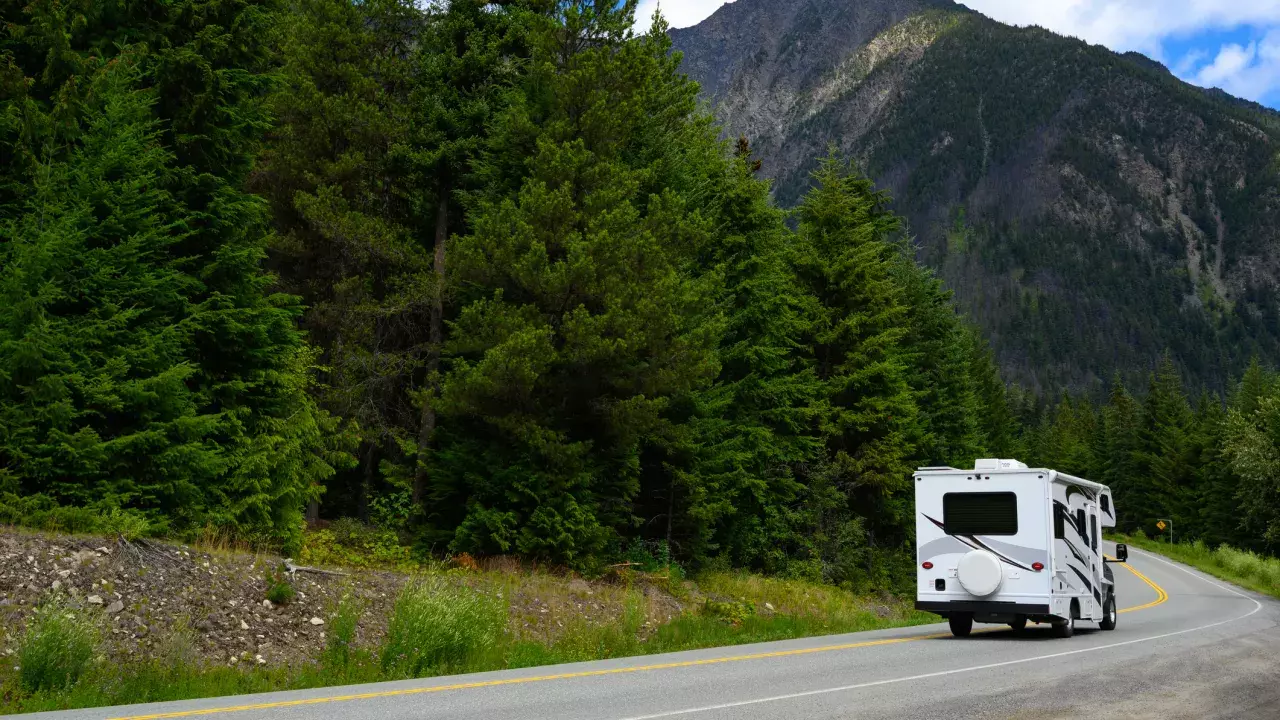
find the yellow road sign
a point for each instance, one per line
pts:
(1160, 525)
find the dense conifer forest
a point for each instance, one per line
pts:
(484, 274)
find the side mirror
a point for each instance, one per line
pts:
(1122, 552)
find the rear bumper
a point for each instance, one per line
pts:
(983, 607)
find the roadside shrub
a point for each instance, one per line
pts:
(1246, 564)
(44, 513)
(279, 591)
(654, 556)
(127, 524)
(58, 646)
(734, 613)
(352, 543)
(438, 626)
(342, 633)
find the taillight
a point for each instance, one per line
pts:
(1037, 566)
(926, 565)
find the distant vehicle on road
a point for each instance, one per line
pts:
(1004, 543)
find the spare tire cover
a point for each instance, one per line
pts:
(980, 573)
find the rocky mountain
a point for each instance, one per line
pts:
(1089, 210)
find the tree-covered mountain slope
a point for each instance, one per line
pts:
(1089, 210)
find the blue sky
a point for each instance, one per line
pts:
(1230, 44)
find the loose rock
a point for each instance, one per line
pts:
(317, 621)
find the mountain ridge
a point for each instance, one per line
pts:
(1089, 209)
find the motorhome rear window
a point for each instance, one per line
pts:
(980, 513)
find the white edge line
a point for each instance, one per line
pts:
(975, 668)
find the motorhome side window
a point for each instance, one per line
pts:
(980, 513)
(1093, 530)
(1080, 526)
(1059, 523)
(1106, 504)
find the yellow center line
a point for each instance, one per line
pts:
(1161, 597)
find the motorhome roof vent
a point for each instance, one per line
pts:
(997, 464)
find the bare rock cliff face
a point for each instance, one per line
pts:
(1089, 210)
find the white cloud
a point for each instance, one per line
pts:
(1250, 71)
(1131, 24)
(679, 13)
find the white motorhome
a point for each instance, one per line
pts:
(1004, 543)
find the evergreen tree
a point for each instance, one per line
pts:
(998, 428)
(469, 55)
(847, 261)
(1218, 513)
(757, 424)
(153, 368)
(1069, 438)
(580, 323)
(1165, 455)
(344, 224)
(1117, 460)
(938, 348)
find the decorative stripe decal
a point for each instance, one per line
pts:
(973, 542)
(1088, 585)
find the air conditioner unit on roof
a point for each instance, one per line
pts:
(997, 464)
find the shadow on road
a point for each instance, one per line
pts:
(1033, 633)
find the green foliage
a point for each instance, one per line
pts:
(580, 326)
(858, 342)
(279, 590)
(1241, 567)
(339, 647)
(58, 646)
(732, 612)
(350, 543)
(1210, 467)
(43, 513)
(148, 364)
(439, 626)
(554, 314)
(1252, 447)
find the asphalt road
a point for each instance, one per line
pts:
(1187, 646)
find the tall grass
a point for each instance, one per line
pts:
(439, 626)
(342, 634)
(58, 646)
(1242, 567)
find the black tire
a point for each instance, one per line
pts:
(1109, 613)
(1019, 623)
(1065, 628)
(961, 624)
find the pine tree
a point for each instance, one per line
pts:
(848, 262)
(998, 428)
(1165, 481)
(1217, 518)
(1118, 459)
(939, 349)
(579, 323)
(344, 223)
(757, 424)
(159, 371)
(469, 55)
(1069, 438)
